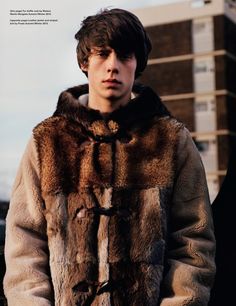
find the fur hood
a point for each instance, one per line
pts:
(144, 106)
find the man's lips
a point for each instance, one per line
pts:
(111, 81)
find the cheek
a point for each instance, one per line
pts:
(93, 69)
(133, 67)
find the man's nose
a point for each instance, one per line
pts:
(113, 63)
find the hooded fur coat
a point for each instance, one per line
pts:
(110, 209)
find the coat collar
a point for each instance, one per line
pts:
(144, 106)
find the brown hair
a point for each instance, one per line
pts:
(117, 28)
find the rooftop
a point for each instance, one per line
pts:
(160, 14)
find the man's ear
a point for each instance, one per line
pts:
(84, 67)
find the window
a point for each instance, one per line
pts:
(200, 67)
(202, 34)
(205, 114)
(230, 8)
(200, 3)
(204, 76)
(231, 3)
(208, 152)
(201, 107)
(203, 146)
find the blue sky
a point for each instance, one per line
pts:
(37, 63)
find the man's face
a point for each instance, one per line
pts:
(110, 75)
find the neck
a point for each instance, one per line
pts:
(107, 105)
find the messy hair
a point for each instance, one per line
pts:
(117, 28)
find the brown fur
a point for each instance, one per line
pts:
(82, 155)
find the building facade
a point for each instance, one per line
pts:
(192, 67)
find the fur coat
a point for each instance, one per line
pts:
(110, 209)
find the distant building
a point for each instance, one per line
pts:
(193, 68)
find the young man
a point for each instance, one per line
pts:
(110, 205)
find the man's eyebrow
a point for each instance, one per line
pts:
(96, 49)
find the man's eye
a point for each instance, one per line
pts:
(125, 57)
(102, 53)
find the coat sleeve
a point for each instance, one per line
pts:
(27, 279)
(191, 247)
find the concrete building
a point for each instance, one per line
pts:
(193, 68)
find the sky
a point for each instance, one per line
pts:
(37, 63)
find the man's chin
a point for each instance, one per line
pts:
(113, 98)
(113, 95)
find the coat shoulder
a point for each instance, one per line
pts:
(56, 126)
(169, 127)
(47, 125)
